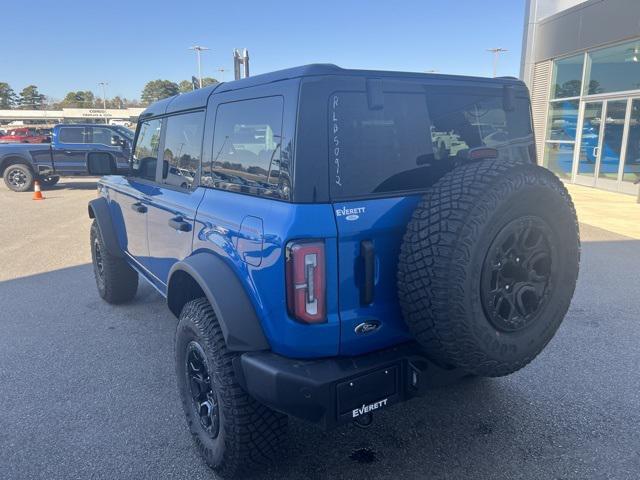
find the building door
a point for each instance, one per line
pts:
(603, 138)
(589, 134)
(630, 164)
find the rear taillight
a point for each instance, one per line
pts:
(306, 281)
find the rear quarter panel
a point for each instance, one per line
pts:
(219, 230)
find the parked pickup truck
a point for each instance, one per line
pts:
(67, 155)
(25, 135)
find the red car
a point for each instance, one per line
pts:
(25, 135)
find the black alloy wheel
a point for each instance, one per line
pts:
(204, 397)
(516, 275)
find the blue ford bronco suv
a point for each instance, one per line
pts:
(334, 242)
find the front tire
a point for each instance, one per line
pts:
(234, 433)
(117, 282)
(18, 177)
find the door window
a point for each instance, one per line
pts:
(612, 139)
(102, 135)
(591, 121)
(72, 135)
(247, 149)
(182, 150)
(631, 171)
(145, 154)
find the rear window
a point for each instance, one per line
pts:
(71, 135)
(414, 138)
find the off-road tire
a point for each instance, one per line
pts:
(48, 182)
(21, 171)
(448, 240)
(117, 282)
(249, 435)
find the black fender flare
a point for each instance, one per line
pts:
(99, 209)
(238, 320)
(13, 158)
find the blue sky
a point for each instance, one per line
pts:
(65, 45)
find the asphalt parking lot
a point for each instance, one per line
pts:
(87, 390)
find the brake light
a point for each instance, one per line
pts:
(305, 277)
(482, 153)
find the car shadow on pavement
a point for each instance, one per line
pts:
(72, 185)
(88, 389)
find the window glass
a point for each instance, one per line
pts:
(614, 69)
(414, 138)
(562, 120)
(182, 149)
(631, 171)
(102, 135)
(145, 154)
(567, 77)
(247, 150)
(72, 135)
(558, 157)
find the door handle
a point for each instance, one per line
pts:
(138, 207)
(177, 223)
(368, 257)
(68, 152)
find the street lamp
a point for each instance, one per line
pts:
(198, 49)
(496, 53)
(222, 70)
(104, 98)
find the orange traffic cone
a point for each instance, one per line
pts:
(37, 194)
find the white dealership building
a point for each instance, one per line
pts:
(68, 115)
(581, 61)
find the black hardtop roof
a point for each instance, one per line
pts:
(198, 98)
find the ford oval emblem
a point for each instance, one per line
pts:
(367, 327)
(352, 217)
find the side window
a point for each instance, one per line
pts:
(72, 135)
(102, 135)
(182, 150)
(247, 151)
(145, 154)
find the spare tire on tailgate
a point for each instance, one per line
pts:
(488, 266)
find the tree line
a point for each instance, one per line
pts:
(30, 98)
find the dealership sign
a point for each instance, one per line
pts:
(97, 112)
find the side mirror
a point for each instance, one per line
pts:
(116, 141)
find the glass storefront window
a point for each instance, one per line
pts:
(558, 157)
(562, 120)
(590, 139)
(631, 172)
(614, 69)
(612, 140)
(567, 77)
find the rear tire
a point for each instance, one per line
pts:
(19, 177)
(488, 266)
(48, 182)
(234, 433)
(117, 282)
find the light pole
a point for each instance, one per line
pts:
(198, 49)
(496, 53)
(221, 70)
(104, 98)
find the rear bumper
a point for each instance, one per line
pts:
(338, 390)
